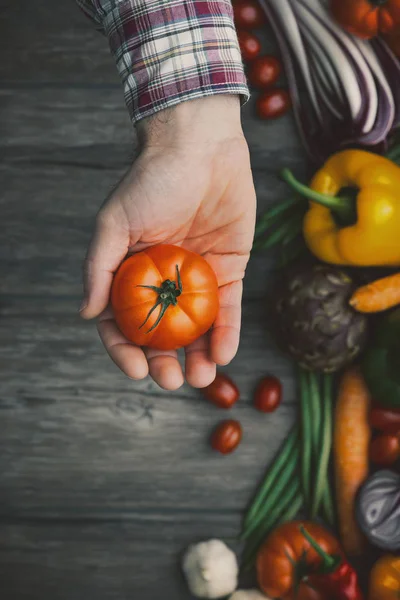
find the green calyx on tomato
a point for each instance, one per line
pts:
(168, 293)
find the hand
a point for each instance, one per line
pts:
(191, 185)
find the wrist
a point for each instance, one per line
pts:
(204, 120)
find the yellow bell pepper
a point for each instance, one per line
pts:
(366, 230)
(384, 582)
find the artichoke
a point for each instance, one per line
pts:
(313, 319)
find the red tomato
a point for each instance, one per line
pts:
(250, 46)
(248, 14)
(385, 450)
(268, 394)
(178, 284)
(387, 420)
(273, 104)
(264, 72)
(286, 558)
(222, 391)
(226, 436)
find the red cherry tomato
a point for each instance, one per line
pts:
(273, 104)
(385, 420)
(264, 72)
(385, 450)
(226, 436)
(222, 391)
(248, 14)
(268, 394)
(250, 45)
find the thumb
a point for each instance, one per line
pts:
(107, 249)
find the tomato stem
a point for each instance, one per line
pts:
(168, 293)
(329, 563)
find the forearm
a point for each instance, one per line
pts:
(170, 51)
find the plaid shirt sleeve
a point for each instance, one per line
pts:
(170, 51)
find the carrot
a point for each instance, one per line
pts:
(351, 443)
(377, 296)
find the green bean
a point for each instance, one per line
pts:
(285, 511)
(305, 435)
(272, 474)
(323, 449)
(272, 213)
(328, 505)
(276, 496)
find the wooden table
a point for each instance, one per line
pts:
(104, 482)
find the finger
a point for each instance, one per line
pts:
(107, 249)
(164, 368)
(226, 332)
(200, 369)
(129, 358)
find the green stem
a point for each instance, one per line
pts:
(275, 497)
(284, 455)
(315, 409)
(343, 207)
(329, 562)
(305, 435)
(327, 505)
(272, 214)
(323, 450)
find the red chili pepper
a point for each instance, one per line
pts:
(336, 578)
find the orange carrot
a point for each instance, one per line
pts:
(351, 443)
(378, 295)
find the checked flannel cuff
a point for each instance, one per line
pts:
(170, 51)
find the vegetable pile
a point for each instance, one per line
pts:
(331, 497)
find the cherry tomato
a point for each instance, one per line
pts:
(264, 72)
(250, 46)
(268, 394)
(385, 450)
(179, 285)
(383, 419)
(226, 436)
(273, 104)
(222, 391)
(248, 14)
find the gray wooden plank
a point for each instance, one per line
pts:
(41, 42)
(74, 432)
(114, 561)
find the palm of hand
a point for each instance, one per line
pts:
(205, 203)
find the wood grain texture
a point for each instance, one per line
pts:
(41, 42)
(76, 435)
(136, 559)
(104, 481)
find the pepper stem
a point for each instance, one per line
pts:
(342, 206)
(329, 562)
(168, 293)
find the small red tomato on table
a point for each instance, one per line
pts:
(222, 392)
(248, 14)
(273, 104)
(250, 45)
(227, 436)
(385, 450)
(385, 419)
(268, 394)
(264, 72)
